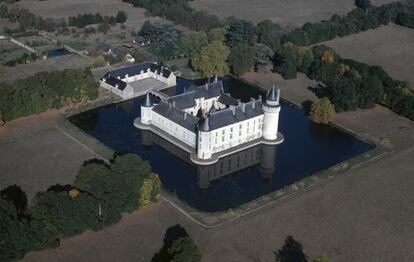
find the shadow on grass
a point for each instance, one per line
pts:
(172, 233)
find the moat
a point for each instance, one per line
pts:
(238, 178)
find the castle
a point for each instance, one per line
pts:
(210, 124)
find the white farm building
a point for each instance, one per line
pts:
(135, 80)
(211, 124)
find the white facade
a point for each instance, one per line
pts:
(173, 129)
(271, 122)
(228, 127)
(119, 81)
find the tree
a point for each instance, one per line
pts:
(240, 32)
(242, 58)
(343, 94)
(121, 17)
(193, 42)
(291, 251)
(322, 111)
(184, 250)
(263, 53)
(12, 232)
(370, 92)
(266, 32)
(212, 60)
(217, 34)
(164, 38)
(150, 190)
(177, 247)
(363, 4)
(286, 63)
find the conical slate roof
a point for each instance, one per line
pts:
(147, 102)
(204, 125)
(271, 95)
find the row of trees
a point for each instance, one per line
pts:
(24, 59)
(97, 198)
(46, 90)
(237, 47)
(349, 84)
(88, 19)
(179, 11)
(240, 47)
(11, 11)
(360, 19)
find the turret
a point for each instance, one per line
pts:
(271, 109)
(204, 141)
(146, 110)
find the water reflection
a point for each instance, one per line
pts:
(308, 148)
(263, 156)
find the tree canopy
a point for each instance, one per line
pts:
(46, 90)
(242, 58)
(322, 111)
(212, 60)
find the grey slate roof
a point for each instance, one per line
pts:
(204, 125)
(271, 95)
(225, 117)
(176, 115)
(147, 102)
(187, 99)
(272, 98)
(136, 69)
(113, 81)
(226, 99)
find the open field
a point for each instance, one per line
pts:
(64, 9)
(284, 12)
(9, 74)
(389, 46)
(36, 155)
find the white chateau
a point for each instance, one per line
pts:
(130, 81)
(211, 124)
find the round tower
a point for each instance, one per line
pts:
(271, 109)
(146, 110)
(204, 141)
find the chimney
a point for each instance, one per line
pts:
(233, 109)
(185, 115)
(169, 105)
(260, 97)
(243, 107)
(173, 103)
(253, 103)
(206, 86)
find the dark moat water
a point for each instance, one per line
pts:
(238, 178)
